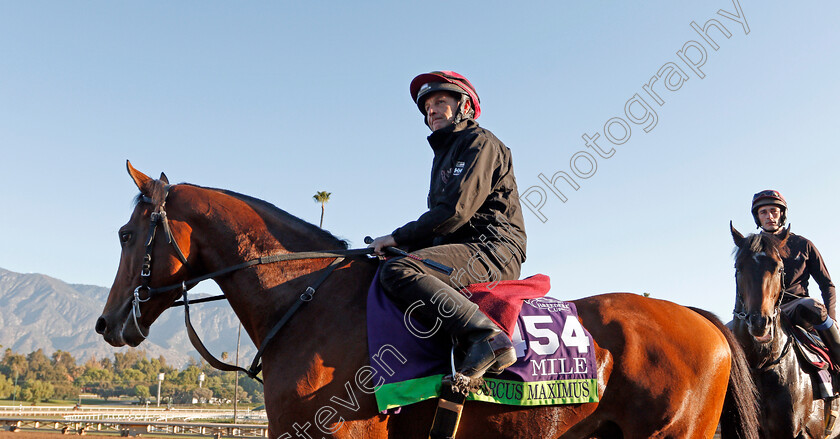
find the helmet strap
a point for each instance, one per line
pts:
(462, 113)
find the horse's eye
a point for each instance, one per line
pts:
(125, 236)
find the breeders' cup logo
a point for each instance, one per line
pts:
(548, 303)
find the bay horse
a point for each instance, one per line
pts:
(788, 406)
(665, 371)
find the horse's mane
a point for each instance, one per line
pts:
(758, 243)
(158, 194)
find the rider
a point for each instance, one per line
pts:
(769, 210)
(474, 224)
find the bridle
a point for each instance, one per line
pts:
(158, 218)
(744, 316)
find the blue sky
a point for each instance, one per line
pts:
(279, 100)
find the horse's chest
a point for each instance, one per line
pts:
(787, 404)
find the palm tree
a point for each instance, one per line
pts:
(322, 197)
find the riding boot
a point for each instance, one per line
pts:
(484, 344)
(487, 348)
(831, 338)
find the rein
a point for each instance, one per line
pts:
(158, 217)
(785, 350)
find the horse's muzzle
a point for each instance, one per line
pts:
(112, 333)
(760, 327)
(118, 331)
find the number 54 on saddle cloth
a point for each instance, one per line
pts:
(555, 354)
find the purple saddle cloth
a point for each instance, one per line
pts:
(555, 357)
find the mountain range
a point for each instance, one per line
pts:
(41, 312)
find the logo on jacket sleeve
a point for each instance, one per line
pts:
(459, 168)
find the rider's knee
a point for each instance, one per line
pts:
(392, 272)
(811, 311)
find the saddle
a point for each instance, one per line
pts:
(810, 348)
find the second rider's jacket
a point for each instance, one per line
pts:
(803, 262)
(472, 195)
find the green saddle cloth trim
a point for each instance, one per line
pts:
(407, 392)
(536, 393)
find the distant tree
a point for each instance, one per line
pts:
(39, 364)
(13, 364)
(65, 359)
(226, 391)
(65, 390)
(36, 391)
(253, 388)
(130, 373)
(142, 392)
(96, 380)
(131, 377)
(108, 391)
(203, 395)
(123, 361)
(322, 197)
(6, 387)
(95, 375)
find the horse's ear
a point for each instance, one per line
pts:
(140, 179)
(784, 235)
(736, 236)
(163, 178)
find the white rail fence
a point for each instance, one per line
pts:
(137, 428)
(138, 413)
(133, 421)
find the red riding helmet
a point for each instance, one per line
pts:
(769, 197)
(444, 80)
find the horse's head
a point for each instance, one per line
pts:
(759, 272)
(155, 253)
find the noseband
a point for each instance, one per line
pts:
(158, 218)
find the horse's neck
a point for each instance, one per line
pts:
(324, 343)
(233, 232)
(779, 354)
(312, 361)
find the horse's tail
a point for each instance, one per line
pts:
(739, 418)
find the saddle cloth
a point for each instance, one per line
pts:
(811, 348)
(555, 354)
(814, 358)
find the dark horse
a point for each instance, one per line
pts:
(665, 371)
(788, 406)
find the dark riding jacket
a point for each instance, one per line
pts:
(803, 262)
(472, 195)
